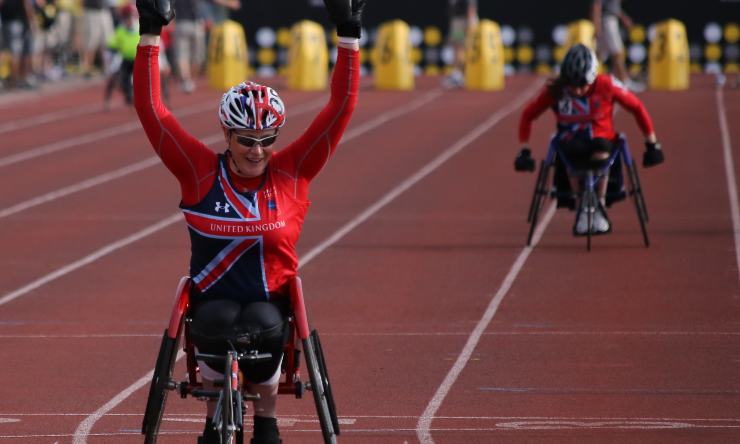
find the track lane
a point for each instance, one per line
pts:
(592, 345)
(91, 298)
(304, 406)
(497, 227)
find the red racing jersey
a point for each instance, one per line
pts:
(591, 115)
(243, 231)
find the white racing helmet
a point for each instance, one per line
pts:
(250, 105)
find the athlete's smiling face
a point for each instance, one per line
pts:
(251, 150)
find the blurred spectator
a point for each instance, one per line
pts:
(65, 35)
(97, 28)
(607, 16)
(190, 41)
(45, 41)
(217, 11)
(123, 46)
(463, 16)
(18, 28)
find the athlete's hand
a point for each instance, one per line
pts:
(524, 160)
(154, 14)
(653, 154)
(347, 15)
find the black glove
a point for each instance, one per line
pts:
(153, 14)
(524, 160)
(347, 15)
(653, 155)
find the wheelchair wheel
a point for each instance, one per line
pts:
(320, 388)
(540, 191)
(160, 385)
(589, 200)
(227, 417)
(327, 385)
(637, 190)
(640, 206)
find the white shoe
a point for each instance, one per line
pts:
(456, 79)
(581, 227)
(600, 223)
(188, 86)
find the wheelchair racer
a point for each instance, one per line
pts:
(583, 103)
(244, 208)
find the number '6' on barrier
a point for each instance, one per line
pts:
(308, 57)
(484, 58)
(668, 63)
(393, 68)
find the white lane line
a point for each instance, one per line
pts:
(385, 117)
(83, 429)
(51, 117)
(110, 248)
(111, 132)
(423, 432)
(174, 218)
(729, 174)
(86, 336)
(80, 436)
(125, 171)
(392, 334)
(422, 173)
(80, 186)
(355, 418)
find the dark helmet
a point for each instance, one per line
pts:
(579, 67)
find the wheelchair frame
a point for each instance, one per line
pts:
(590, 178)
(300, 338)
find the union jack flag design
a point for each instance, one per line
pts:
(574, 117)
(227, 239)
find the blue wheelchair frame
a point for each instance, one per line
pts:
(589, 179)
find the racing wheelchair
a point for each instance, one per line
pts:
(619, 164)
(228, 418)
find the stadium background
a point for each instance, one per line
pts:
(531, 30)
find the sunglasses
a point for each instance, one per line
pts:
(251, 141)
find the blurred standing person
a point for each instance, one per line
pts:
(123, 43)
(608, 17)
(64, 30)
(217, 11)
(190, 42)
(463, 16)
(97, 28)
(18, 28)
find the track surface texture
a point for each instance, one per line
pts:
(438, 324)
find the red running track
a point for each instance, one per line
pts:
(439, 326)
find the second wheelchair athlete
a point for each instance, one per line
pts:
(583, 103)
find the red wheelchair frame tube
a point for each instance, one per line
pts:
(181, 306)
(299, 308)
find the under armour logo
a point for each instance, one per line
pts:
(225, 207)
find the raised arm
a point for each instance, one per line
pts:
(186, 157)
(306, 156)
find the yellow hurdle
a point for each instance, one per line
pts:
(5, 59)
(391, 57)
(581, 31)
(308, 57)
(668, 62)
(484, 58)
(227, 56)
